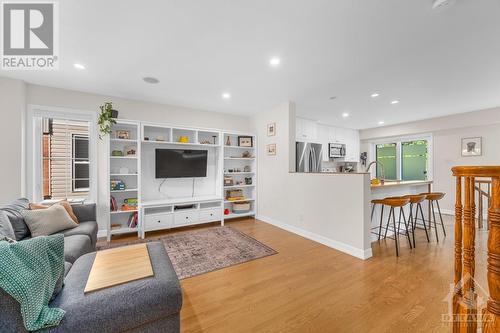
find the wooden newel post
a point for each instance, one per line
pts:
(457, 296)
(491, 315)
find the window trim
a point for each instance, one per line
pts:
(74, 162)
(398, 139)
(33, 162)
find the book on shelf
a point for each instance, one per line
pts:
(112, 204)
(133, 220)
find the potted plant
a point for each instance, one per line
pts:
(106, 119)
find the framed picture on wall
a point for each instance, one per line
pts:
(271, 129)
(271, 149)
(245, 141)
(472, 146)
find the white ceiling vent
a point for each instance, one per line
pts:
(442, 4)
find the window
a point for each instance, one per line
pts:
(414, 160)
(66, 167)
(403, 159)
(386, 155)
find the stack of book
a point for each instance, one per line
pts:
(133, 220)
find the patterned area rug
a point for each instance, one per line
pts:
(202, 251)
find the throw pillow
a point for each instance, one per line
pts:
(5, 226)
(44, 222)
(13, 211)
(63, 203)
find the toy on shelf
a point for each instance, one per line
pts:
(117, 185)
(130, 204)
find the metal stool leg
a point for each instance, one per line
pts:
(441, 218)
(406, 227)
(434, 220)
(381, 219)
(373, 210)
(423, 220)
(395, 233)
(413, 225)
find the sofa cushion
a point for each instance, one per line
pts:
(5, 226)
(84, 212)
(44, 222)
(84, 228)
(76, 246)
(149, 300)
(13, 211)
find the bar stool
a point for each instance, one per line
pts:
(394, 202)
(435, 197)
(417, 199)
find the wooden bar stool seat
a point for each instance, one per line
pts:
(434, 197)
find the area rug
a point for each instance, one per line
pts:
(202, 251)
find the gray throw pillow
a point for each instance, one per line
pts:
(13, 211)
(5, 226)
(44, 222)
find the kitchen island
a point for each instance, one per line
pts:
(396, 189)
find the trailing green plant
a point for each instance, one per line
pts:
(106, 120)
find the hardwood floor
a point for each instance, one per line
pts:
(308, 287)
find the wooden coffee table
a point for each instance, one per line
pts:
(120, 265)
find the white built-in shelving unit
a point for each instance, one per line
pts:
(239, 168)
(178, 202)
(126, 168)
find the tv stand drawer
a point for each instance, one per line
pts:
(158, 221)
(210, 215)
(181, 218)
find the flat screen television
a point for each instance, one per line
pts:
(180, 163)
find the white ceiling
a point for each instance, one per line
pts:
(435, 63)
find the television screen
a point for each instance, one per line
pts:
(180, 163)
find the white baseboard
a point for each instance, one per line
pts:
(353, 251)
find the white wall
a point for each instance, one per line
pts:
(447, 134)
(12, 112)
(329, 208)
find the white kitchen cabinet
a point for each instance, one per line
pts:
(352, 145)
(323, 133)
(306, 130)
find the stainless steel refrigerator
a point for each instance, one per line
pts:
(308, 157)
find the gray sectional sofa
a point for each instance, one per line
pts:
(147, 305)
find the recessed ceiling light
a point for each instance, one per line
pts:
(152, 80)
(345, 114)
(395, 101)
(274, 61)
(333, 97)
(226, 95)
(78, 66)
(375, 95)
(381, 122)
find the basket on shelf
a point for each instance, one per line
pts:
(241, 207)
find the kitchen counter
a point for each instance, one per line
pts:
(396, 183)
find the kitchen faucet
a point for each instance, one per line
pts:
(382, 171)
